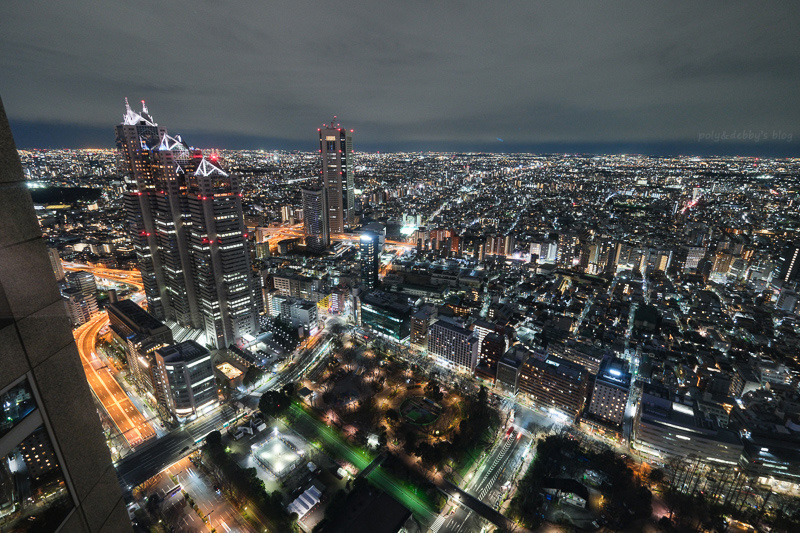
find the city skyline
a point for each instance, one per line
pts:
(616, 78)
(445, 267)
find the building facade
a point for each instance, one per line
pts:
(369, 248)
(315, 218)
(556, 383)
(453, 345)
(336, 149)
(184, 215)
(187, 376)
(611, 390)
(45, 401)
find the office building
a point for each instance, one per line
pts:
(611, 391)
(336, 149)
(453, 345)
(184, 214)
(55, 262)
(140, 334)
(386, 313)
(315, 218)
(789, 262)
(420, 324)
(663, 427)
(369, 248)
(80, 308)
(492, 348)
(44, 397)
(83, 281)
(555, 383)
(187, 378)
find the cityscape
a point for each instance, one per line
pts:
(314, 336)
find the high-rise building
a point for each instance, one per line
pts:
(555, 382)
(336, 148)
(611, 389)
(370, 259)
(185, 218)
(187, 378)
(83, 281)
(453, 345)
(80, 308)
(141, 334)
(45, 401)
(789, 262)
(315, 218)
(55, 262)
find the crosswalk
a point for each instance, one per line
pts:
(488, 485)
(438, 523)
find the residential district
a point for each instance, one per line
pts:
(341, 341)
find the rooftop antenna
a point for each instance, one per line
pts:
(333, 120)
(144, 107)
(127, 105)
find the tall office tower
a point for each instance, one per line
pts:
(44, 398)
(80, 308)
(336, 148)
(55, 262)
(184, 215)
(315, 218)
(789, 262)
(370, 253)
(187, 378)
(611, 390)
(83, 281)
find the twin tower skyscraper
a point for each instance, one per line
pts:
(184, 215)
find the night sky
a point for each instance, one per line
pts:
(600, 77)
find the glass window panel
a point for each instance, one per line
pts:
(33, 492)
(15, 404)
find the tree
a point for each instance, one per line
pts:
(251, 376)
(273, 403)
(433, 392)
(214, 439)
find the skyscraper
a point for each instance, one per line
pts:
(789, 262)
(315, 218)
(184, 215)
(336, 148)
(369, 247)
(44, 398)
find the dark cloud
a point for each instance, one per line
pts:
(454, 75)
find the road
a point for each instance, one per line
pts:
(151, 458)
(488, 485)
(130, 277)
(128, 420)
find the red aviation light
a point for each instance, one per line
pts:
(205, 240)
(214, 157)
(351, 131)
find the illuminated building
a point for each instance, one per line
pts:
(336, 149)
(453, 345)
(663, 427)
(386, 313)
(789, 263)
(369, 248)
(315, 218)
(187, 379)
(184, 214)
(555, 383)
(611, 390)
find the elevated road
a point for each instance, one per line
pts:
(129, 421)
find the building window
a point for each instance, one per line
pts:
(34, 493)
